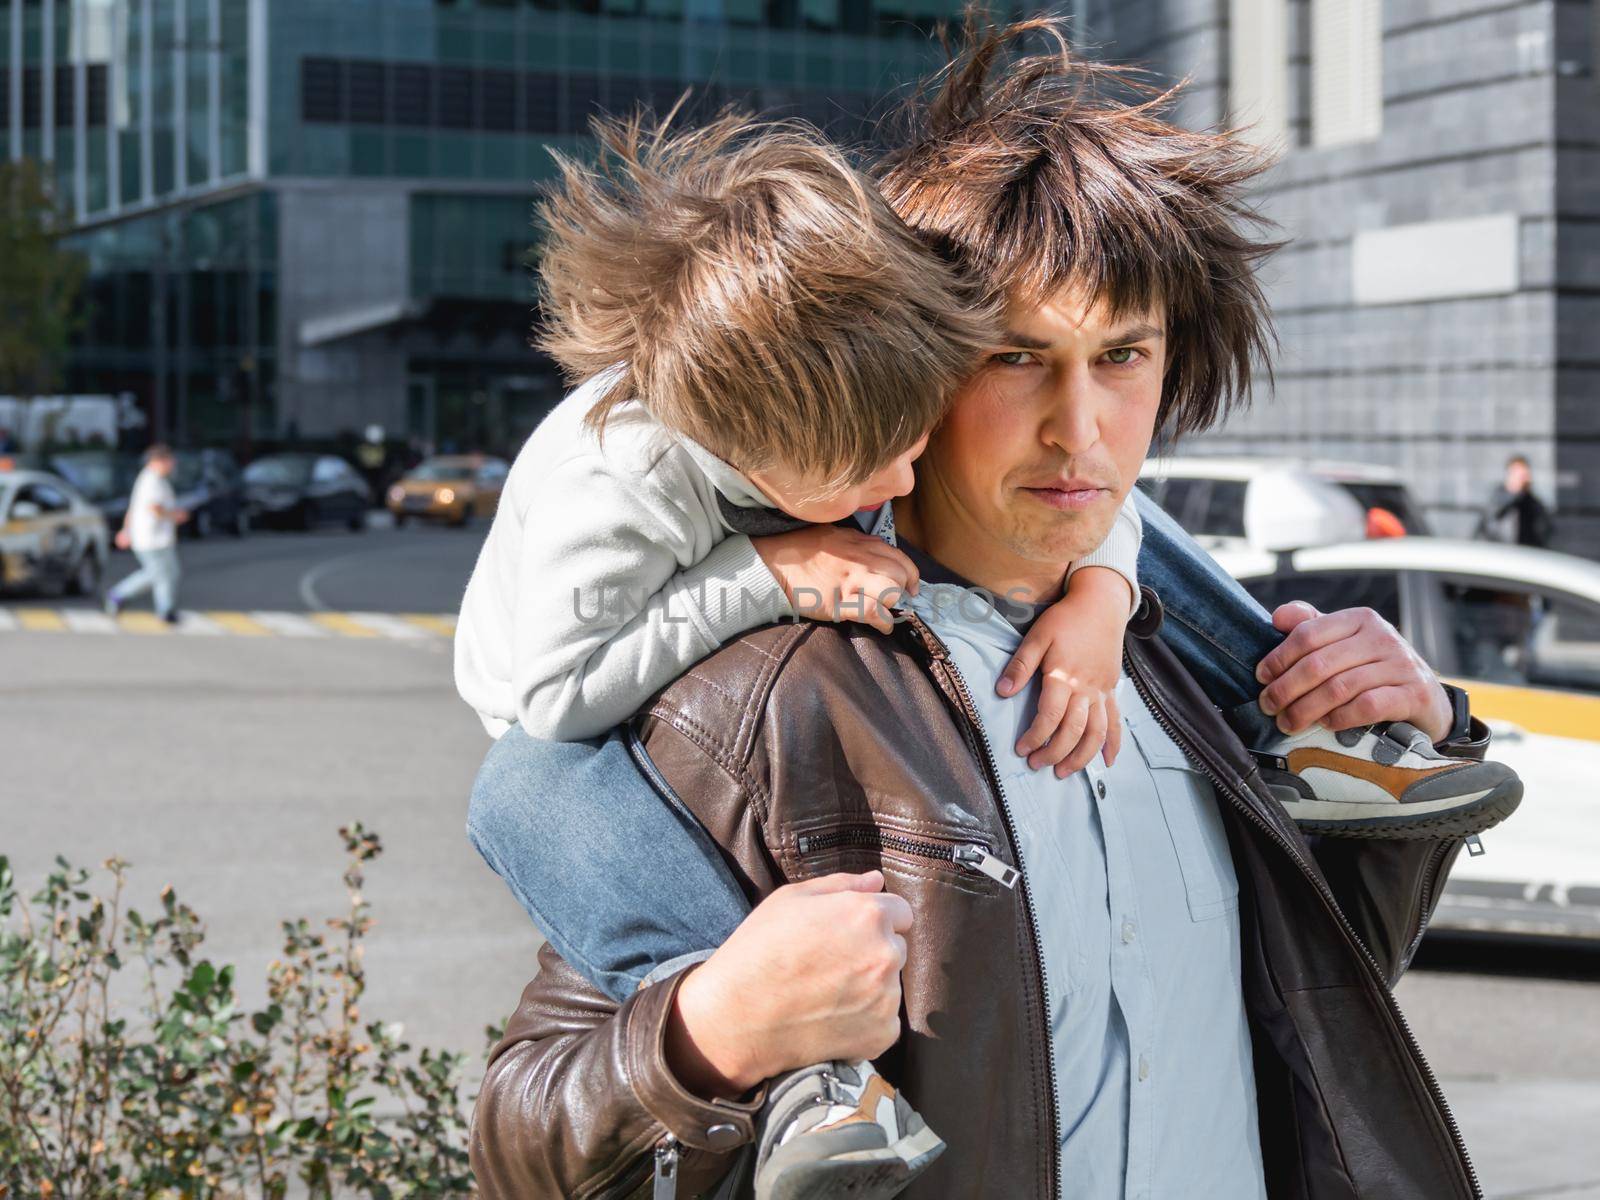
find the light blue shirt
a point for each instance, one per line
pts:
(1137, 905)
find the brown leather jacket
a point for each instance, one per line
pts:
(801, 730)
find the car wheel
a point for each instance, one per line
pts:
(401, 520)
(241, 522)
(202, 524)
(86, 579)
(358, 521)
(465, 518)
(306, 518)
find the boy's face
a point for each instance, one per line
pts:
(802, 495)
(1045, 441)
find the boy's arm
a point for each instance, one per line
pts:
(1120, 550)
(621, 589)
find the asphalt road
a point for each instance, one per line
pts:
(421, 568)
(224, 765)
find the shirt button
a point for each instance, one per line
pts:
(1128, 932)
(1144, 1068)
(1100, 788)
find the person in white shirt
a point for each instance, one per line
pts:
(150, 530)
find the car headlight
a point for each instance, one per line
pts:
(397, 494)
(445, 495)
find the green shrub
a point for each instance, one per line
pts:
(182, 1092)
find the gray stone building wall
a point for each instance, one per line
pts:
(1442, 388)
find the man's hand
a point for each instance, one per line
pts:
(1346, 669)
(123, 539)
(834, 574)
(1076, 644)
(812, 974)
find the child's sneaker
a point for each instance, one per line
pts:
(839, 1129)
(1385, 781)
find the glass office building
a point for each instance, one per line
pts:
(303, 217)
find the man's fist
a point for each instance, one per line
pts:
(1346, 669)
(813, 974)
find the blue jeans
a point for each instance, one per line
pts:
(614, 872)
(624, 882)
(1211, 623)
(158, 571)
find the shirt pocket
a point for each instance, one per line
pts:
(1189, 808)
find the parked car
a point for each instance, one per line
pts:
(52, 540)
(210, 488)
(305, 490)
(1211, 497)
(451, 487)
(1519, 629)
(103, 477)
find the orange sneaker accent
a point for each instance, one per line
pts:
(1394, 780)
(867, 1107)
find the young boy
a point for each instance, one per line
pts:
(763, 347)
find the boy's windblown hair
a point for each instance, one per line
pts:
(756, 293)
(1040, 171)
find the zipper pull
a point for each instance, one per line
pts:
(1475, 847)
(978, 859)
(666, 1184)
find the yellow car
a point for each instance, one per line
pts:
(52, 540)
(451, 487)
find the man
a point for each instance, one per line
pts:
(1514, 514)
(1136, 980)
(150, 530)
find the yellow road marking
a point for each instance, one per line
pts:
(1538, 710)
(342, 624)
(237, 622)
(41, 619)
(443, 626)
(142, 622)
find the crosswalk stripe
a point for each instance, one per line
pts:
(443, 626)
(389, 625)
(84, 620)
(417, 627)
(193, 624)
(343, 624)
(236, 622)
(289, 624)
(143, 622)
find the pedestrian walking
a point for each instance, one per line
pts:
(1514, 514)
(150, 530)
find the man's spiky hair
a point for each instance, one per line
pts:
(1040, 170)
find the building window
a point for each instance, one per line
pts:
(1258, 69)
(1346, 71)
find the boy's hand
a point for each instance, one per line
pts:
(1078, 644)
(834, 574)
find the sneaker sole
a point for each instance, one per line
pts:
(862, 1174)
(1454, 816)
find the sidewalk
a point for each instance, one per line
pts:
(1531, 1139)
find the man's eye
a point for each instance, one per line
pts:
(1122, 356)
(1012, 358)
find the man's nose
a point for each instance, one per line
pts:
(1072, 418)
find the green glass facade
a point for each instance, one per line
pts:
(306, 216)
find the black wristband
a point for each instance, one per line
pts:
(1460, 715)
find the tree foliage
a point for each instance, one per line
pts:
(40, 280)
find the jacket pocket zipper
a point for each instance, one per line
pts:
(969, 855)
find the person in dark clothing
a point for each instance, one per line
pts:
(1514, 514)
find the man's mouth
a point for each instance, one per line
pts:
(1068, 495)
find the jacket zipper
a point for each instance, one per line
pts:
(971, 855)
(939, 655)
(1196, 755)
(665, 1186)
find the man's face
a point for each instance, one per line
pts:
(1044, 442)
(1518, 476)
